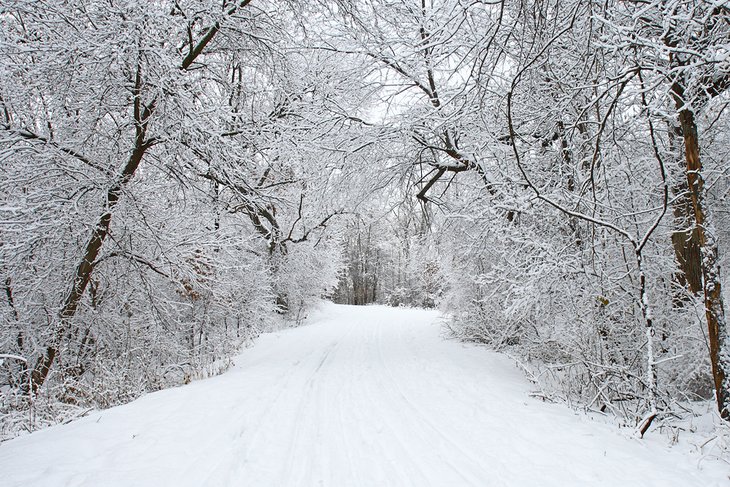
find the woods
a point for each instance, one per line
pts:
(179, 176)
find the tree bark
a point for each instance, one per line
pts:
(708, 255)
(691, 93)
(685, 239)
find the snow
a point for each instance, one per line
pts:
(363, 396)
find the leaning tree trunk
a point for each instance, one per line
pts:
(714, 309)
(142, 113)
(85, 267)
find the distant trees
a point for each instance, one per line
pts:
(390, 258)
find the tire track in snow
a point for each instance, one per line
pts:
(247, 440)
(398, 450)
(251, 428)
(309, 405)
(396, 390)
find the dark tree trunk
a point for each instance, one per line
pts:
(93, 247)
(685, 238)
(707, 257)
(141, 116)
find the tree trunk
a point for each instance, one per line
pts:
(86, 265)
(708, 255)
(141, 116)
(141, 113)
(685, 238)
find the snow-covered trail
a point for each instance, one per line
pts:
(363, 397)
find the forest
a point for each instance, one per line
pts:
(180, 176)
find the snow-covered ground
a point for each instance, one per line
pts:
(366, 396)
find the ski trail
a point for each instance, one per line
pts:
(395, 389)
(362, 397)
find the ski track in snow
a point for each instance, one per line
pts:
(363, 397)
